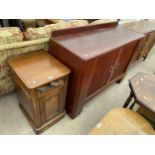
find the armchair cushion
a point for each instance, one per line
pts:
(73, 23)
(37, 33)
(104, 21)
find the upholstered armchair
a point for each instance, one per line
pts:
(14, 42)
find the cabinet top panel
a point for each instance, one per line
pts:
(94, 41)
(142, 26)
(37, 68)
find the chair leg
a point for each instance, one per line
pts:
(132, 105)
(128, 100)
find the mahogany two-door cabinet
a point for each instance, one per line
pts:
(41, 83)
(97, 55)
(148, 29)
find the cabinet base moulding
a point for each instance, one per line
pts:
(46, 125)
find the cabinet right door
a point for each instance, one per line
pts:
(124, 56)
(101, 71)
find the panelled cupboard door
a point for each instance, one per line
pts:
(50, 104)
(124, 56)
(101, 71)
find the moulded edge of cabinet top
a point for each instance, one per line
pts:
(37, 68)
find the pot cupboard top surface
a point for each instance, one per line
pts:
(96, 41)
(142, 26)
(37, 68)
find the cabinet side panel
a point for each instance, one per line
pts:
(76, 89)
(25, 102)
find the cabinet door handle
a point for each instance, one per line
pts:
(111, 69)
(116, 65)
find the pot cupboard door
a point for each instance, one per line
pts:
(51, 104)
(101, 71)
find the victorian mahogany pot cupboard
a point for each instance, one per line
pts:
(41, 83)
(98, 55)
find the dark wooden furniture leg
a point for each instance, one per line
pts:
(132, 105)
(128, 100)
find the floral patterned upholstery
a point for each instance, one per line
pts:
(73, 23)
(8, 50)
(37, 33)
(60, 25)
(10, 35)
(12, 43)
(104, 21)
(45, 32)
